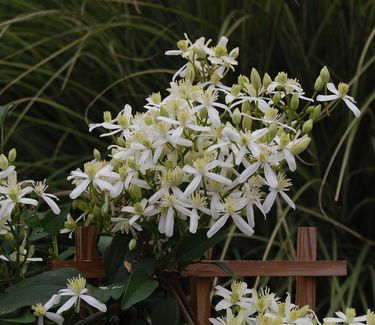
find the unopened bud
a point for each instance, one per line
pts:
(3, 162)
(319, 84)
(149, 120)
(272, 131)
(12, 155)
(234, 53)
(255, 79)
(315, 114)
(200, 52)
(135, 192)
(156, 97)
(177, 176)
(294, 102)
(300, 146)
(236, 116)
(96, 212)
(235, 90)
(276, 98)
(324, 75)
(266, 80)
(246, 107)
(163, 111)
(183, 45)
(120, 141)
(132, 244)
(97, 155)
(107, 116)
(246, 122)
(310, 109)
(307, 126)
(203, 114)
(242, 80)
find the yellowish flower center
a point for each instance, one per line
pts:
(350, 314)
(200, 165)
(198, 201)
(138, 208)
(14, 193)
(90, 170)
(230, 206)
(370, 318)
(220, 50)
(39, 310)
(156, 98)
(107, 117)
(123, 121)
(343, 89)
(76, 284)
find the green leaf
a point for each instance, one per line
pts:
(38, 288)
(22, 318)
(104, 242)
(139, 287)
(166, 311)
(113, 259)
(195, 245)
(105, 293)
(38, 233)
(52, 223)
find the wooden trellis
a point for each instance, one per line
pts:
(305, 268)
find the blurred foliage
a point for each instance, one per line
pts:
(62, 63)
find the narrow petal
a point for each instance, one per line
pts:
(248, 172)
(287, 199)
(268, 202)
(250, 215)
(223, 304)
(52, 204)
(67, 305)
(243, 226)
(219, 178)
(217, 225)
(95, 303)
(270, 176)
(291, 161)
(352, 107)
(193, 185)
(332, 88)
(324, 98)
(193, 221)
(58, 319)
(169, 223)
(79, 189)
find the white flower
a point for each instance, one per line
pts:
(13, 194)
(70, 224)
(5, 173)
(253, 195)
(282, 81)
(76, 288)
(201, 168)
(236, 297)
(39, 189)
(349, 317)
(231, 207)
(41, 311)
(340, 93)
(95, 173)
(24, 256)
(231, 319)
(277, 185)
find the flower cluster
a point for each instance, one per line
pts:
(203, 153)
(18, 200)
(77, 291)
(249, 307)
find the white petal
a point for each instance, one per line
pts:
(287, 199)
(95, 303)
(268, 202)
(331, 87)
(213, 114)
(217, 225)
(193, 185)
(67, 305)
(324, 98)
(219, 178)
(223, 304)
(52, 204)
(79, 189)
(161, 226)
(193, 221)
(291, 161)
(248, 172)
(243, 226)
(55, 299)
(28, 201)
(169, 222)
(352, 107)
(270, 176)
(250, 215)
(58, 319)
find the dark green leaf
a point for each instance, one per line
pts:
(104, 242)
(166, 311)
(106, 293)
(195, 245)
(38, 288)
(53, 223)
(23, 318)
(38, 233)
(139, 287)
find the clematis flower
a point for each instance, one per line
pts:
(41, 311)
(349, 317)
(340, 93)
(76, 288)
(40, 190)
(236, 297)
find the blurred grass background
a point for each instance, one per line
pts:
(62, 63)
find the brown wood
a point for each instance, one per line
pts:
(89, 269)
(306, 251)
(86, 247)
(200, 289)
(265, 268)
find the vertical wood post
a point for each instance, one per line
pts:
(86, 243)
(306, 251)
(200, 298)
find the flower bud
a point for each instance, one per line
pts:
(247, 122)
(310, 109)
(120, 141)
(177, 176)
(156, 97)
(255, 78)
(272, 131)
(234, 53)
(163, 111)
(266, 80)
(12, 155)
(203, 114)
(324, 75)
(3, 162)
(135, 192)
(149, 120)
(235, 90)
(97, 155)
(319, 84)
(284, 140)
(132, 244)
(294, 102)
(246, 107)
(107, 116)
(90, 219)
(315, 114)
(215, 78)
(300, 146)
(276, 98)
(190, 72)
(242, 80)
(307, 126)
(236, 116)
(200, 52)
(96, 212)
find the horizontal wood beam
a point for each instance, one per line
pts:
(89, 269)
(265, 268)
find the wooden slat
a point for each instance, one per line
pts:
(306, 251)
(266, 268)
(89, 269)
(200, 298)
